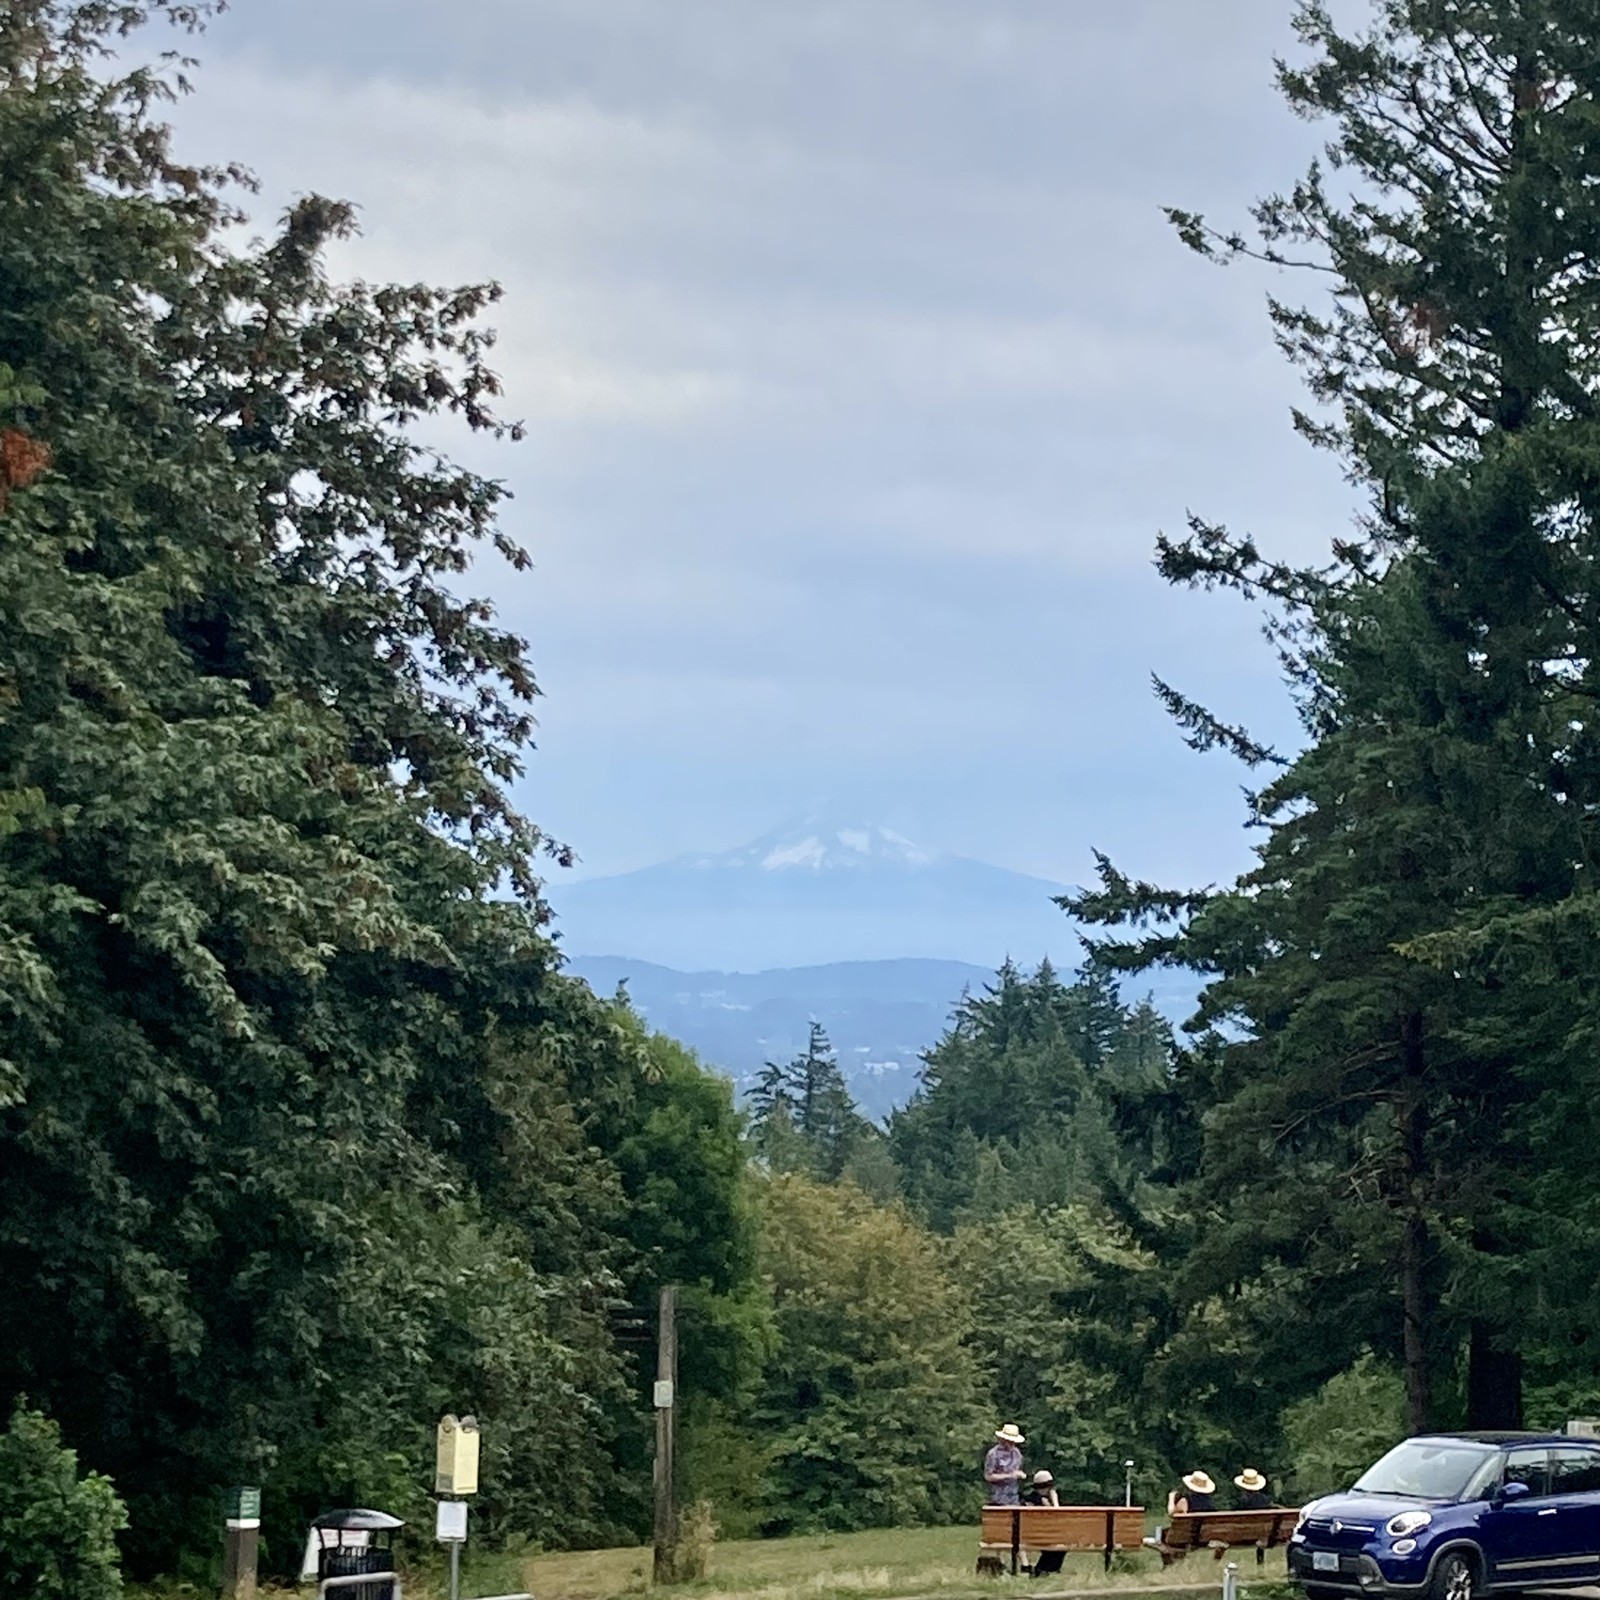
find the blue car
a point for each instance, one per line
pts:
(1453, 1515)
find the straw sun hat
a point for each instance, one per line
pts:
(1250, 1479)
(1010, 1434)
(1200, 1482)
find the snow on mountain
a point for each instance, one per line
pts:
(812, 845)
(815, 891)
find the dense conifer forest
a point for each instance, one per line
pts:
(305, 1136)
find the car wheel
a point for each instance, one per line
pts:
(1454, 1577)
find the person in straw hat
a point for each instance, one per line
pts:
(1042, 1491)
(1002, 1467)
(1195, 1492)
(1253, 1495)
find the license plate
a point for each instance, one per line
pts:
(1324, 1561)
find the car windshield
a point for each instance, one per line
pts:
(1426, 1469)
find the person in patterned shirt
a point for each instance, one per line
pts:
(1002, 1467)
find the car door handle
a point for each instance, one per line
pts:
(1550, 1512)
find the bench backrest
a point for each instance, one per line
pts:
(1066, 1527)
(1194, 1530)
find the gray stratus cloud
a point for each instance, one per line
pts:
(861, 370)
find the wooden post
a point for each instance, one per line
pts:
(666, 1398)
(241, 1540)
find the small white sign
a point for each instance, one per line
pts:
(451, 1524)
(663, 1394)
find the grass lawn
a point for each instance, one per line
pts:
(883, 1565)
(892, 1564)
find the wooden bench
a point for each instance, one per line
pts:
(1226, 1530)
(1013, 1529)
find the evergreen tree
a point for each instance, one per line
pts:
(1393, 1051)
(1008, 1111)
(802, 1115)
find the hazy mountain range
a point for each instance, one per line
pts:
(812, 893)
(880, 1015)
(848, 923)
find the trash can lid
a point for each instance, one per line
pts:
(370, 1521)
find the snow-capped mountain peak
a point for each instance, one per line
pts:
(816, 846)
(825, 888)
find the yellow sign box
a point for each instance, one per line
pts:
(455, 1468)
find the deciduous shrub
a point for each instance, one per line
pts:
(58, 1531)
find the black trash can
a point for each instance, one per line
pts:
(353, 1543)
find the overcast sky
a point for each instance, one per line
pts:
(861, 372)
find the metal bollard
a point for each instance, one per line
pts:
(1230, 1581)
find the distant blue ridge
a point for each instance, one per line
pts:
(880, 1015)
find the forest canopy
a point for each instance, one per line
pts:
(307, 1138)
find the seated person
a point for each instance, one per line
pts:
(1254, 1494)
(1042, 1492)
(1196, 1492)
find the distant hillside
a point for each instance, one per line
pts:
(881, 1015)
(815, 892)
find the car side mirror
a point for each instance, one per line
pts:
(1512, 1491)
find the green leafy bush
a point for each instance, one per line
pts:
(58, 1531)
(1336, 1434)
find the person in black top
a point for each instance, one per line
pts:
(1196, 1492)
(1254, 1493)
(1042, 1491)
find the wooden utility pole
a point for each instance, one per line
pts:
(666, 1397)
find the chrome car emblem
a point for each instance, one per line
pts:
(1337, 1526)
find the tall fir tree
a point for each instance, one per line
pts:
(1396, 982)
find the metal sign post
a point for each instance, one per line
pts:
(1127, 1491)
(450, 1527)
(1230, 1581)
(455, 1472)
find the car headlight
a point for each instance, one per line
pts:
(1405, 1523)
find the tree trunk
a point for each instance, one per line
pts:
(1414, 1312)
(1494, 1381)
(1412, 1127)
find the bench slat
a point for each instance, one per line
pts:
(1065, 1527)
(1194, 1530)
